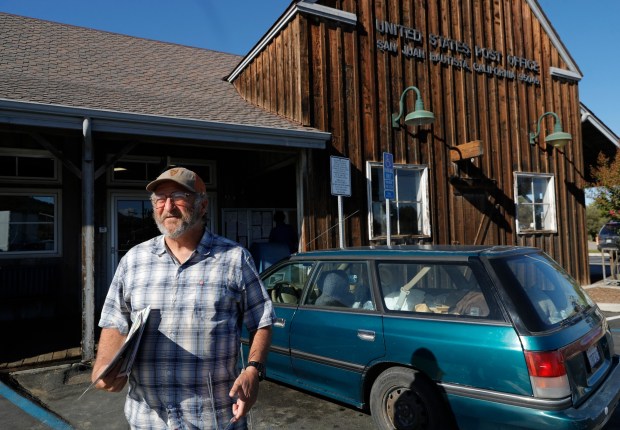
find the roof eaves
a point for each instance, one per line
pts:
(68, 117)
(587, 115)
(556, 42)
(301, 6)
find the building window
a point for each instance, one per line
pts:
(409, 211)
(135, 170)
(132, 170)
(29, 223)
(535, 202)
(28, 165)
(204, 168)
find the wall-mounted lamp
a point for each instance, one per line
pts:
(558, 138)
(418, 117)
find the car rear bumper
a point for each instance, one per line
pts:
(513, 413)
(599, 407)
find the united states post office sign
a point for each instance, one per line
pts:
(410, 42)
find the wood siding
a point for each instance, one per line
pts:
(332, 76)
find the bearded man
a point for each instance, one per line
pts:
(200, 288)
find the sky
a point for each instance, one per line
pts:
(588, 29)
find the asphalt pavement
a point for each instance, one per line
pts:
(49, 398)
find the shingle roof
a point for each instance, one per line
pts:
(58, 64)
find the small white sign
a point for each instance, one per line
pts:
(340, 176)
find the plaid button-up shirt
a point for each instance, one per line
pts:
(187, 361)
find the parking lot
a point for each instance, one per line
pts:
(57, 389)
(279, 407)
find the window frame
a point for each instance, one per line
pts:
(443, 278)
(31, 153)
(210, 181)
(57, 249)
(359, 273)
(422, 192)
(524, 277)
(112, 181)
(272, 279)
(549, 201)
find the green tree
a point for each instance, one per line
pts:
(595, 218)
(607, 192)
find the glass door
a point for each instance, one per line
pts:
(131, 223)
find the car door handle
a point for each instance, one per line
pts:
(280, 322)
(367, 335)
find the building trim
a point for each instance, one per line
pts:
(303, 6)
(67, 117)
(587, 115)
(573, 72)
(565, 74)
(327, 12)
(554, 37)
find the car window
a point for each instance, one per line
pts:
(610, 229)
(544, 294)
(342, 284)
(286, 284)
(441, 288)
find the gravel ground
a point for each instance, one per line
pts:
(604, 294)
(601, 292)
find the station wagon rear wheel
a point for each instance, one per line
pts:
(402, 399)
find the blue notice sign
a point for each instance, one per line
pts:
(388, 176)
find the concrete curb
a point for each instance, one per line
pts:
(609, 307)
(601, 284)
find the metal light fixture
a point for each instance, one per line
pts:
(418, 117)
(558, 138)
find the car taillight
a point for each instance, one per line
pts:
(547, 374)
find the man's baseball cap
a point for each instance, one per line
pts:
(182, 176)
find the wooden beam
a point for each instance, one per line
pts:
(51, 148)
(126, 149)
(467, 150)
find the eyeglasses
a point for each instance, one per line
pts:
(179, 198)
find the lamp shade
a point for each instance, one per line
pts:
(419, 117)
(559, 138)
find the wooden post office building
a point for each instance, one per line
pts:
(477, 101)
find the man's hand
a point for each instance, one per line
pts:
(245, 389)
(111, 382)
(110, 342)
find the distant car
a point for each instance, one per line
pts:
(435, 337)
(609, 236)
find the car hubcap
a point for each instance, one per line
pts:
(406, 410)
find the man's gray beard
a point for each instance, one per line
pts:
(186, 224)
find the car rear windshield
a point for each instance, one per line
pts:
(611, 229)
(545, 296)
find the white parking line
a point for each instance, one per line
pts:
(613, 318)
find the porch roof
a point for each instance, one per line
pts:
(54, 75)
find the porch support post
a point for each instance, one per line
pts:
(301, 174)
(88, 244)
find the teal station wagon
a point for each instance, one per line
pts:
(438, 337)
